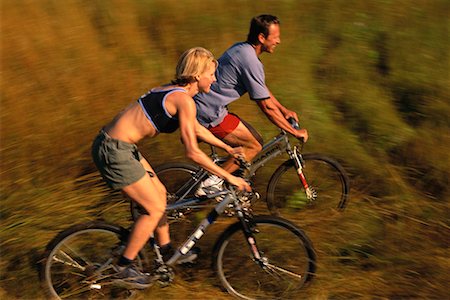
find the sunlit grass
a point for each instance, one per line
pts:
(369, 80)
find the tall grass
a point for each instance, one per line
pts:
(369, 79)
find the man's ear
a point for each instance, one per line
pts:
(261, 38)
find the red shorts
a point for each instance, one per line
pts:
(228, 125)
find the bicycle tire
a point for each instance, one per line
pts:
(289, 255)
(286, 195)
(72, 260)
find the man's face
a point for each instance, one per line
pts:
(272, 40)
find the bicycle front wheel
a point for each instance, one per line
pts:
(287, 263)
(78, 262)
(328, 182)
(177, 177)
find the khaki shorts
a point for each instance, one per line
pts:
(118, 161)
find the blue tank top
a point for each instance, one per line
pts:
(153, 105)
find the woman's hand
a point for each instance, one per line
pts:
(236, 152)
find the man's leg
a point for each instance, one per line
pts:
(234, 132)
(241, 136)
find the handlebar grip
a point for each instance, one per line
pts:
(293, 123)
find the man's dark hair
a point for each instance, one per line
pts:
(260, 24)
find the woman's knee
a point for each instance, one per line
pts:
(155, 206)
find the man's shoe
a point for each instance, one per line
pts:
(132, 277)
(211, 185)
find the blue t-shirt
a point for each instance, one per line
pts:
(239, 71)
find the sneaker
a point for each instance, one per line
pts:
(211, 185)
(132, 277)
(189, 257)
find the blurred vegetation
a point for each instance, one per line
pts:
(370, 80)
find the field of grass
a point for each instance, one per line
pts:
(369, 79)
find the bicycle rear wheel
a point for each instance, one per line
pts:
(288, 260)
(78, 262)
(326, 177)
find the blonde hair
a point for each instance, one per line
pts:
(192, 63)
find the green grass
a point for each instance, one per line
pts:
(369, 79)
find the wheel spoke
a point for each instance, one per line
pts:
(71, 262)
(79, 266)
(274, 268)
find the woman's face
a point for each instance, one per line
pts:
(207, 78)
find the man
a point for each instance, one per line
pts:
(240, 71)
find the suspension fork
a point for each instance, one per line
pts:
(298, 161)
(249, 230)
(311, 194)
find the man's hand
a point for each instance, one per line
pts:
(290, 114)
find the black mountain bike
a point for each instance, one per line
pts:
(304, 181)
(263, 257)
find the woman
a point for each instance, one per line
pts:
(163, 109)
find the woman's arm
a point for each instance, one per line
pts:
(187, 117)
(206, 136)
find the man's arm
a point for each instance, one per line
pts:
(278, 115)
(286, 112)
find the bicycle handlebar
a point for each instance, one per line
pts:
(293, 123)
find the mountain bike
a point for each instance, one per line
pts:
(304, 181)
(257, 257)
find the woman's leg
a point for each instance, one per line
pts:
(162, 230)
(148, 193)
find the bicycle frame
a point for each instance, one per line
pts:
(270, 150)
(230, 199)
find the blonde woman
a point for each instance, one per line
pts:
(162, 110)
